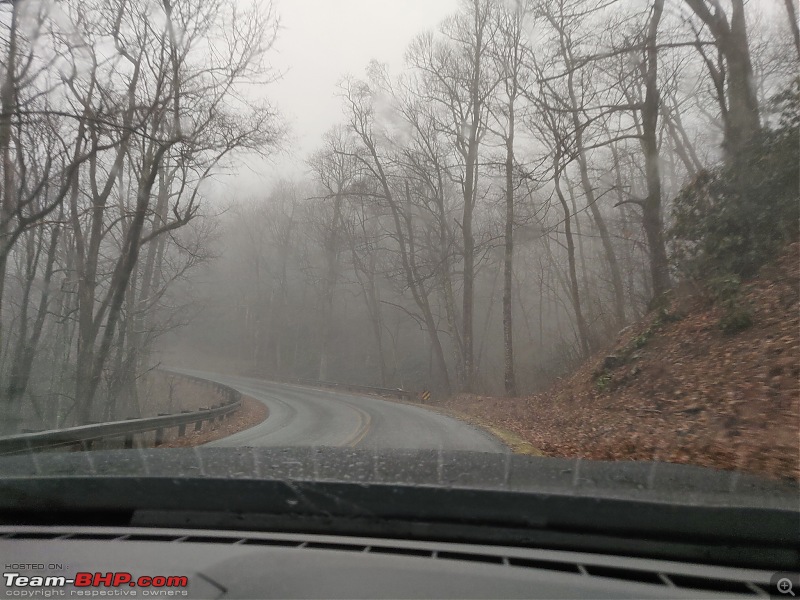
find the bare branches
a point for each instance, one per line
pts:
(126, 97)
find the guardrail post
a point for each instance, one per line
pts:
(198, 426)
(182, 426)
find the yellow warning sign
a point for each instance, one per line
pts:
(426, 395)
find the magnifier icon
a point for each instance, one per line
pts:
(785, 586)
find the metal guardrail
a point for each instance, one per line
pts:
(85, 435)
(386, 392)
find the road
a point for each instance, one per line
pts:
(303, 416)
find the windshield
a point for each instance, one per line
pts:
(553, 228)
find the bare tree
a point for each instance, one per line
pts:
(553, 127)
(564, 19)
(363, 237)
(791, 12)
(335, 169)
(740, 111)
(135, 108)
(508, 52)
(651, 207)
(358, 100)
(459, 79)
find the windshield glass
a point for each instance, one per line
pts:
(554, 228)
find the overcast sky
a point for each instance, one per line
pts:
(319, 42)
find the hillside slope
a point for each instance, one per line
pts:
(676, 388)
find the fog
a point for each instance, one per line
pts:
(467, 196)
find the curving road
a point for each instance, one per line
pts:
(303, 416)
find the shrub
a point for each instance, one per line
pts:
(724, 288)
(733, 219)
(725, 291)
(736, 317)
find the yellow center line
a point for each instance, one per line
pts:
(362, 430)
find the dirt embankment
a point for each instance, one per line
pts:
(170, 394)
(676, 387)
(250, 414)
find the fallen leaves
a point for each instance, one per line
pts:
(698, 396)
(250, 414)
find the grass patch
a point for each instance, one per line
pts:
(513, 441)
(517, 444)
(603, 381)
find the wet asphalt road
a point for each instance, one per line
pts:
(303, 416)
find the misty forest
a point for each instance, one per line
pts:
(535, 176)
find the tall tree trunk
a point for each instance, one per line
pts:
(683, 146)
(26, 349)
(421, 296)
(451, 315)
(588, 189)
(470, 194)
(365, 274)
(487, 319)
(32, 250)
(95, 357)
(792, 12)
(578, 233)
(377, 327)
(403, 228)
(509, 378)
(651, 207)
(469, 271)
(152, 265)
(8, 107)
(742, 121)
(332, 252)
(373, 303)
(743, 102)
(575, 297)
(277, 323)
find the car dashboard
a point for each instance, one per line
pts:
(236, 564)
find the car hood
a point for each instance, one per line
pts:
(638, 480)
